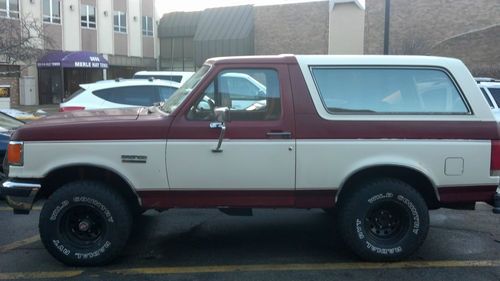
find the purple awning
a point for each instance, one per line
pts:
(65, 59)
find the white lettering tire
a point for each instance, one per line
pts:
(383, 219)
(85, 223)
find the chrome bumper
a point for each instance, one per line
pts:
(20, 195)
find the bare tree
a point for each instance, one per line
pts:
(22, 41)
(412, 42)
(492, 71)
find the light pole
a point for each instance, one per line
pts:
(386, 26)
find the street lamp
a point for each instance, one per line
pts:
(386, 26)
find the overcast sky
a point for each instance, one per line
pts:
(165, 6)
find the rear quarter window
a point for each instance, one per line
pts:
(384, 90)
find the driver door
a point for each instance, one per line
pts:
(256, 164)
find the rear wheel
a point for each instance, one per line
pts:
(383, 220)
(85, 223)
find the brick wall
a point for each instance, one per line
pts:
(291, 28)
(436, 27)
(14, 88)
(481, 53)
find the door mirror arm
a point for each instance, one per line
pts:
(222, 116)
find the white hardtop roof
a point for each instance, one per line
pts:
(129, 82)
(357, 60)
(145, 72)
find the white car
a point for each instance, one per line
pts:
(491, 90)
(176, 76)
(119, 94)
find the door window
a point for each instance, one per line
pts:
(250, 95)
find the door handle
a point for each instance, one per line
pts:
(282, 135)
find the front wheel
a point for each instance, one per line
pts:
(85, 223)
(383, 220)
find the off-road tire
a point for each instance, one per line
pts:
(383, 219)
(85, 223)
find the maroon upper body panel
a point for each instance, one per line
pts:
(309, 125)
(298, 117)
(110, 124)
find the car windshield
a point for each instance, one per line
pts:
(76, 93)
(180, 95)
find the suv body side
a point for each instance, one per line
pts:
(303, 158)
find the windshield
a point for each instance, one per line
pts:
(180, 95)
(79, 91)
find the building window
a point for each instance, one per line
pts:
(147, 26)
(177, 53)
(52, 11)
(121, 22)
(87, 15)
(9, 9)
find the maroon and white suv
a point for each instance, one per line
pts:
(379, 140)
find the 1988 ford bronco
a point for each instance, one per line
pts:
(379, 140)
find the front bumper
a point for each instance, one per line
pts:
(20, 195)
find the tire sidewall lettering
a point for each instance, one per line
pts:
(100, 206)
(415, 218)
(59, 246)
(93, 254)
(57, 210)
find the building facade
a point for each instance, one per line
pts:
(90, 40)
(468, 30)
(187, 39)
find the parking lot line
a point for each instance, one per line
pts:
(19, 243)
(256, 268)
(40, 275)
(306, 267)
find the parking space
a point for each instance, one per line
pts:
(273, 244)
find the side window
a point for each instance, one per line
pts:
(165, 92)
(250, 95)
(387, 91)
(487, 97)
(131, 95)
(495, 93)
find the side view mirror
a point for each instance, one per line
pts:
(222, 114)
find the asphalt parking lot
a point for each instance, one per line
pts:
(271, 245)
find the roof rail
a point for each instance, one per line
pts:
(486, 79)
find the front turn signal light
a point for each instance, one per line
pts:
(15, 153)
